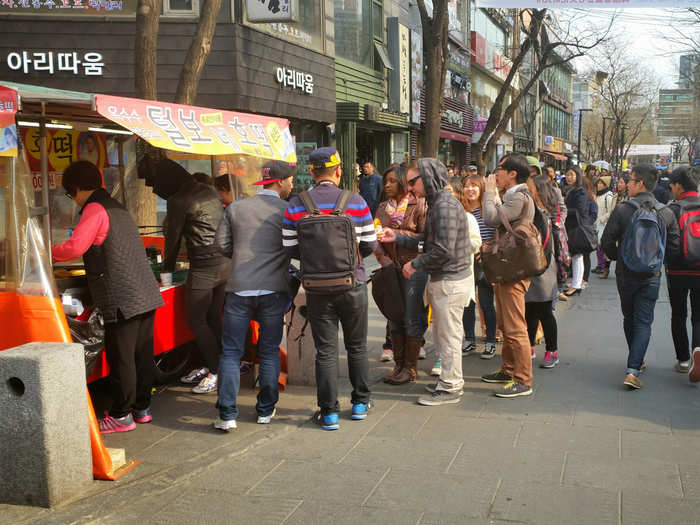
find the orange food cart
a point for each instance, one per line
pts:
(52, 128)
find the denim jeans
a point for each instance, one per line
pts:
(485, 292)
(324, 312)
(268, 310)
(637, 299)
(679, 286)
(415, 321)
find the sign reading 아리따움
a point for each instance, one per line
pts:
(594, 4)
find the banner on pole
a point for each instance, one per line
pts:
(8, 128)
(587, 4)
(203, 131)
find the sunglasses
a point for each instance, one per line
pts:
(412, 181)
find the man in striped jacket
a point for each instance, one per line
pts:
(349, 307)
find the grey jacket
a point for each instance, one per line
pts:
(544, 287)
(514, 201)
(447, 252)
(250, 233)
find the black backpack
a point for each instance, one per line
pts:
(328, 249)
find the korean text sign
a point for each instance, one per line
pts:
(203, 131)
(616, 4)
(8, 128)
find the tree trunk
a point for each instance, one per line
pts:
(198, 52)
(437, 54)
(141, 201)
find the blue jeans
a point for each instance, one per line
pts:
(485, 292)
(268, 310)
(415, 320)
(637, 299)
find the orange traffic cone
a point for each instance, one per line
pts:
(101, 461)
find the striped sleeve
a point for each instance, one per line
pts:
(295, 211)
(364, 225)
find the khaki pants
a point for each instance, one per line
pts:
(447, 300)
(510, 312)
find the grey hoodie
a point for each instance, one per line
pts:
(446, 250)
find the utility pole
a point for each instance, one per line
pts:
(580, 130)
(602, 148)
(622, 145)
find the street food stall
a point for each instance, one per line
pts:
(43, 131)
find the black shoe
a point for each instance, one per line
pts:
(499, 376)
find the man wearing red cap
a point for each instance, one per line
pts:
(257, 290)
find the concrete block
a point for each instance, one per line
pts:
(301, 352)
(45, 454)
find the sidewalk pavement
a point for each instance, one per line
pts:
(582, 449)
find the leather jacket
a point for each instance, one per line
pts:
(194, 212)
(412, 225)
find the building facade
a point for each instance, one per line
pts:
(282, 69)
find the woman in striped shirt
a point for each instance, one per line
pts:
(473, 193)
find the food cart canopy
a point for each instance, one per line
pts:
(176, 127)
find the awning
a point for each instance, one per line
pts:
(557, 156)
(203, 131)
(460, 137)
(175, 127)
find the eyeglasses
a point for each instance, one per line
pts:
(413, 180)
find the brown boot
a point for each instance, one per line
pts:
(410, 366)
(398, 341)
(604, 274)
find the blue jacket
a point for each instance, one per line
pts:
(370, 190)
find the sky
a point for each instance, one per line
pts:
(647, 32)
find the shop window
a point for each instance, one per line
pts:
(181, 7)
(307, 32)
(359, 33)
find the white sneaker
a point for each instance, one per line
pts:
(206, 385)
(195, 376)
(225, 425)
(265, 420)
(421, 353)
(683, 366)
(387, 355)
(437, 368)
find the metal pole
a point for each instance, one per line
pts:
(580, 132)
(602, 147)
(122, 171)
(212, 159)
(43, 148)
(622, 145)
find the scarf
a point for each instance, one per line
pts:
(396, 211)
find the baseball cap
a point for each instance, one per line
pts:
(325, 157)
(274, 171)
(472, 168)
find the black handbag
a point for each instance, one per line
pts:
(387, 292)
(582, 238)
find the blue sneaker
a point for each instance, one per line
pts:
(359, 410)
(327, 422)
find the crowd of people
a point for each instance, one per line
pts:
(507, 246)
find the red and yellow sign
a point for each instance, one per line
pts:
(191, 129)
(65, 146)
(8, 128)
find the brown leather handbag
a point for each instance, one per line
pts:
(516, 254)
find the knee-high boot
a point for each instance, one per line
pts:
(398, 342)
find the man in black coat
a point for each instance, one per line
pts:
(638, 291)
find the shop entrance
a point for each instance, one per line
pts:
(373, 146)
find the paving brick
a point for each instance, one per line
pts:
(434, 456)
(622, 474)
(673, 448)
(643, 508)
(512, 463)
(225, 476)
(529, 409)
(326, 482)
(471, 431)
(467, 496)
(635, 420)
(319, 513)
(690, 479)
(549, 503)
(597, 442)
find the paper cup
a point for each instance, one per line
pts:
(166, 279)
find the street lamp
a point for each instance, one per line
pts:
(580, 130)
(603, 138)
